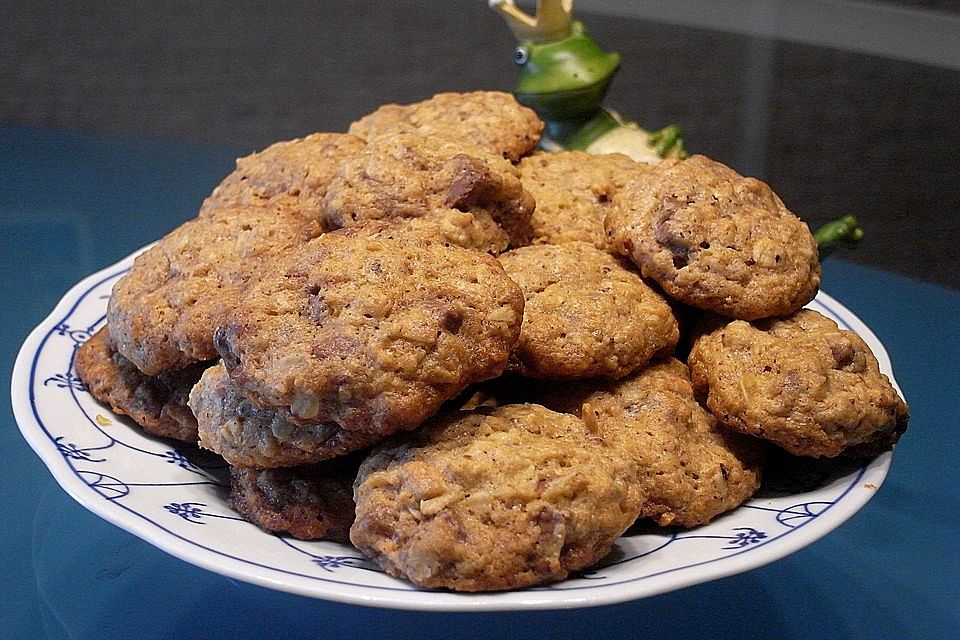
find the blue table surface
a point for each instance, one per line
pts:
(72, 203)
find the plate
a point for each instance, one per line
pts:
(174, 496)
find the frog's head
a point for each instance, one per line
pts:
(564, 75)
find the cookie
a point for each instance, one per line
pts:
(163, 312)
(157, 403)
(505, 499)
(313, 502)
(688, 469)
(297, 171)
(800, 382)
(371, 328)
(585, 313)
(247, 436)
(474, 201)
(492, 120)
(573, 190)
(715, 240)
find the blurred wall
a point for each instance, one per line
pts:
(834, 131)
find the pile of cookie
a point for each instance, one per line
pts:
(477, 362)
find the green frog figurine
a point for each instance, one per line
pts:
(564, 77)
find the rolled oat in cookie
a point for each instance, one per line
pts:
(800, 382)
(586, 313)
(716, 240)
(371, 328)
(157, 403)
(492, 499)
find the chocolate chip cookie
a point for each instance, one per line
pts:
(585, 314)
(162, 314)
(491, 500)
(573, 190)
(297, 171)
(473, 199)
(716, 240)
(492, 120)
(371, 328)
(313, 502)
(157, 403)
(800, 382)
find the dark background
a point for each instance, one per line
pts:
(834, 132)
(116, 118)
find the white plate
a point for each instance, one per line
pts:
(174, 497)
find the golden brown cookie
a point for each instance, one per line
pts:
(716, 240)
(297, 171)
(371, 328)
(475, 201)
(313, 502)
(489, 119)
(688, 468)
(801, 382)
(250, 437)
(585, 313)
(162, 313)
(504, 499)
(157, 403)
(573, 190)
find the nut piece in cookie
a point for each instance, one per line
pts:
(157, 403)
(475, 200)
(492, 500)
(585, 313)
(492, 120)
(248, 436)
(371, 328)
(296, 172)
(162, 314)
(573, 190)
(688, 468)
(716, 240)
(313, 502)
(801, 382)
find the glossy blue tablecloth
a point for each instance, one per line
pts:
(71, 204)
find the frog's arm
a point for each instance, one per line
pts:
(837, 232)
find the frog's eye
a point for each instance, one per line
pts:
(521, 55)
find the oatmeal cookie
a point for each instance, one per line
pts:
(801, 382)
(157, 403)
(585, 313)
(475, 202)
(688, 469)
(492, 120)
(573, 190)
(491, 500)
(298, 171)
(313, 502)
(371, 328)
(250, 437)
(162, 313)
(716, 240)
